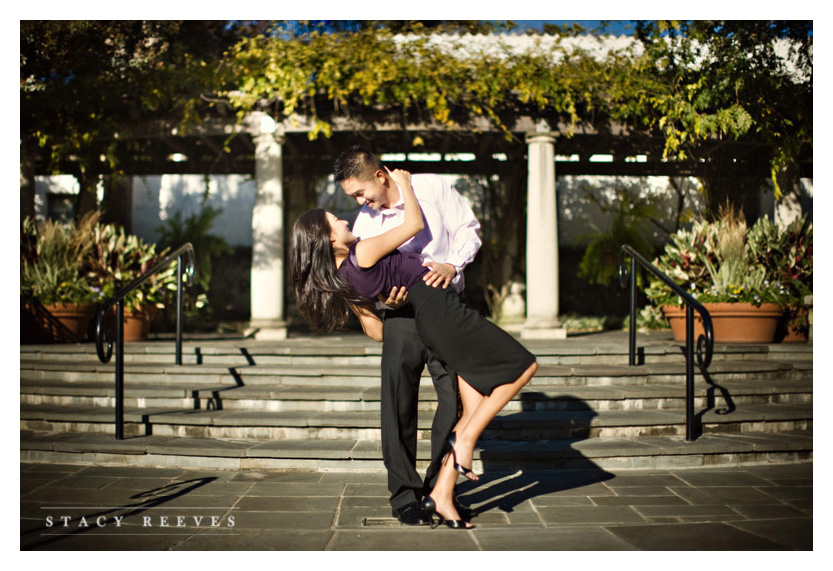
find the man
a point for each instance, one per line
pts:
(448, 243)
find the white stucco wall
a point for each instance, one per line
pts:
(157, 198)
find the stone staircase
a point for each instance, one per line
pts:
(313, 403)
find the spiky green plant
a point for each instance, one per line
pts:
(118, 258)
(52, 261)
(715, 262)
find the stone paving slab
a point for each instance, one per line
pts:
(552, 539)
(258, 540)
(794, 536)
(674, 537)
(759, 508)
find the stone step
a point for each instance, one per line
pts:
(657, 452)
(522, 425)
(313, 403)
(345, 398)
(325, 373)
(608, 348)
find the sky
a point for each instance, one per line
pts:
(615, 27)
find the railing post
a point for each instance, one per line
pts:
(689, 374)
(103, 336)
(179, 310)
(704, 353)
(120, 370)
(632, 329)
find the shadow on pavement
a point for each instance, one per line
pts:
(78, 522)
(560, 467)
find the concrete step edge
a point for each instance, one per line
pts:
(369, 419)
(361, 454)
(536, 390)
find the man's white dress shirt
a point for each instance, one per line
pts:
(451, 234)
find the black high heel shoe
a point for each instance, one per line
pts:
(430, 507)
(467, 472)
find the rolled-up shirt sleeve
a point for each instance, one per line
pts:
(464, 230)
(460, 241)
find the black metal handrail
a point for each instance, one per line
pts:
(705, 343)
(103, 334)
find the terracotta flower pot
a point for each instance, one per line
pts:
(794, 335)
(794, 326)
(136, 322)
(732, 322)
(65, 322)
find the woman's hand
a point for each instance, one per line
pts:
(397, 297)
(400, 177)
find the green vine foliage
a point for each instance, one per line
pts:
(324, 76)
(686, 87)
(85, 85)
(733, 79)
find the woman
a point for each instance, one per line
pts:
(333, 273)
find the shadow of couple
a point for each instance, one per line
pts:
(560, 468)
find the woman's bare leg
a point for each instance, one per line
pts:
(485, 409)
(443, 491)
(478, 411)
(471, 399)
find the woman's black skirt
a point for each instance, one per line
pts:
(479, 351)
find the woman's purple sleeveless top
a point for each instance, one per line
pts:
(396, 269)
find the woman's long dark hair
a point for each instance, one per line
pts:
(323, 297)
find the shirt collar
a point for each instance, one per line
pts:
(397, 208)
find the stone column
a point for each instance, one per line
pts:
(267, 274)
(541, 241)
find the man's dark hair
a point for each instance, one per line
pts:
(356, 162)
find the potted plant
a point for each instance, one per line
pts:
(787, 255)
(716, 263)
(57, 299)
(117, 259)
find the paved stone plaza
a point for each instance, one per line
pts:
(66, 507)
